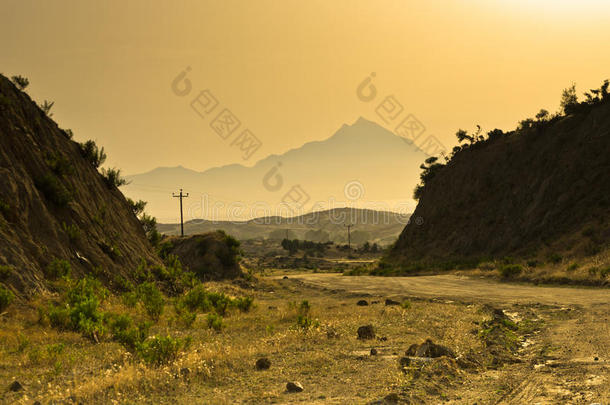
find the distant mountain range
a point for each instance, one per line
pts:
(361, 165)
(380, 227)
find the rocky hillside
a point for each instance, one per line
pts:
(55, 205)
(541, 191)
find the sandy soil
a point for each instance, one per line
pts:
(459, 288)
(568, 362)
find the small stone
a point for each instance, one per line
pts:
(366, 332)
(294, 387)
(362, 303)
(263, 363)
(596, 358)
(373, 352)
(391, 302)
(15, 386)
(285, 277)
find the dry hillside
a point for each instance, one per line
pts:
(541, 192)
(55, 205)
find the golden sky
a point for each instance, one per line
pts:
(289, 69)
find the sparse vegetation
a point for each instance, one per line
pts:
(137, 207)
(215, 321)
(113, 177)
(46, 107)
(510, 270)
(6, 297)
(20, 81)
(5, 271)
(159, 350)
(151, 299)
(92, 153)
(57, 268)
(54, 190)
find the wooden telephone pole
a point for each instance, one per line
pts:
(181, 196)
(349, 236)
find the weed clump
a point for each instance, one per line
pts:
(6, 297)
(510, 270)
(57, 268)
(215, 321)
(159, 350)
(151, 299)
(81, 310)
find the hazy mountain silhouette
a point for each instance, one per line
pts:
(384, 164)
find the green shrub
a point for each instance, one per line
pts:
(510, 270)
(572, 267)
(5, 209)
(122, 283)
(197, 299)
(59, 317)
(215, 321)
(244, 304)
(111, 249)
(113, 177)
(603, 273)
(46, 107)
(5, 271)
(137, 207)
(127, 333)
(72, 231)
(305, 322)
(60, 165)
(57, 268)
(157, 351)
(80, 311)
(6, 297)
(184, 315)
(53, 189)
(151, 299)
(84, 300)
(94, 155)
(406, 304)
(130, 299)
(20, 81)
(220, 302)
(554, 258)
(304, 307)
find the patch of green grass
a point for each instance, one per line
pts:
(554, 258)
(57, 268)
(5, 271)
(159, 350)
(80, 310)
(152, 299)
(215, 321)
(72, 231)
(510, 270)
(6, 298)
(54, 190)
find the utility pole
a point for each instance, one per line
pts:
(349, 236)
(181, 196)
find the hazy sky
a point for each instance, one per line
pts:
(289, 69)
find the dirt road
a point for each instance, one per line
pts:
(568, 362)
(458, 288)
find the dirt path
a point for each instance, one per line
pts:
(568, 362)
(458, 288)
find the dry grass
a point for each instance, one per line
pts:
(327, 358)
